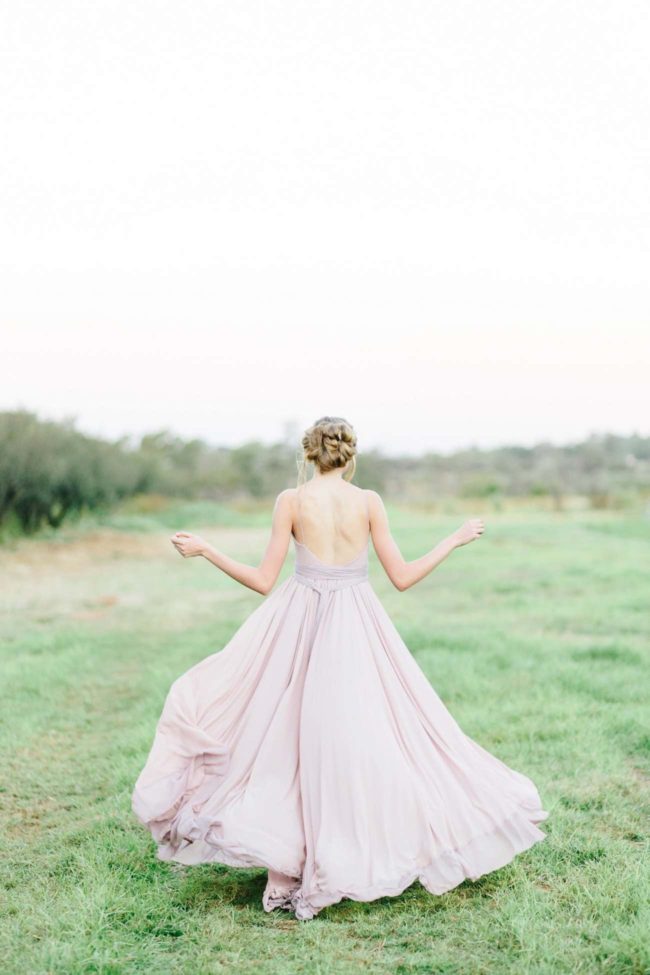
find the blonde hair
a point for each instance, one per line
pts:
(328, 443)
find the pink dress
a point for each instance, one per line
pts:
(313, 745)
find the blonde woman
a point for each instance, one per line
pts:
(312, 744)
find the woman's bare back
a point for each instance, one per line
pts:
(331, 519)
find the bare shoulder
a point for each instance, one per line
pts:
(373, 497)
(285, 498)
(376, 508)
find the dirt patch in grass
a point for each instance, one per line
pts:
(76, 552)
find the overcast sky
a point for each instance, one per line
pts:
(431, 218)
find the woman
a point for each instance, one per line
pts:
(312, 744)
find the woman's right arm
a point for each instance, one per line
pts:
(405, 574)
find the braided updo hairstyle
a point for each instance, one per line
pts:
(329, 443)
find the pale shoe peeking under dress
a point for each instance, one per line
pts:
(313, 745)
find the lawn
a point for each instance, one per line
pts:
(535, 637)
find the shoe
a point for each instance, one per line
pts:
(300, 907)
(274, 897)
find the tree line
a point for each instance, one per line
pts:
(50, 471)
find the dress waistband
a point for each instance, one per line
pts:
(322, 581)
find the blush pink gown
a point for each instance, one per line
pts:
(313, 745)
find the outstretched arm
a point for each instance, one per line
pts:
(404, 574)
(260, 577)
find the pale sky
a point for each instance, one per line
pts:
(431, 218)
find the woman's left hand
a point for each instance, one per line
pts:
(187, 544)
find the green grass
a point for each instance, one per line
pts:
(536, 638)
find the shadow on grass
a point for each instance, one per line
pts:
(209, 888)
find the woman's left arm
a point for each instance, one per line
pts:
(261, 578)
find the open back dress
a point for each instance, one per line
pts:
(313, 744)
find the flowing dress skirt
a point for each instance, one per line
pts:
(313, 745)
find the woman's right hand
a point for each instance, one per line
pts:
(470, 531)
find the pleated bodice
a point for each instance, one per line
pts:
(319, 575)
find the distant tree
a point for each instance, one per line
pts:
(50, 471)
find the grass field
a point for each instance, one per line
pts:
(535, 637)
